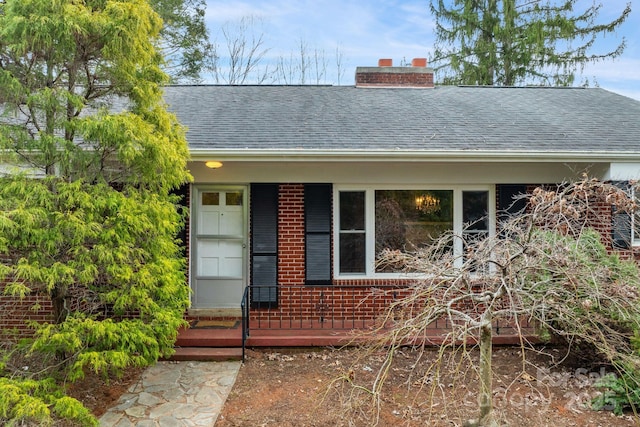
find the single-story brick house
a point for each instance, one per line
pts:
(293, 184)
(294, 206)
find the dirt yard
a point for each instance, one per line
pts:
(310, 388)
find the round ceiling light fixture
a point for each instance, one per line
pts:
(213, 164)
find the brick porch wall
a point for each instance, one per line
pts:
(15, 314)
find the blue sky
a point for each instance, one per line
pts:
(366, 30)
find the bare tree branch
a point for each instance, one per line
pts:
(547, 268)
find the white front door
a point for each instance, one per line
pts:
(219, 247)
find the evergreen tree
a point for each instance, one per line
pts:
(90, 159)
(517, 42)
(184, 39)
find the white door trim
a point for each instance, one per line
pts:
(218, 281)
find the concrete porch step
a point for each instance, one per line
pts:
(298, 338)
(232, 338)
(209, 354)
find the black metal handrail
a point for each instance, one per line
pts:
(245, 306)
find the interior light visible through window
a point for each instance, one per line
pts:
(427, 203)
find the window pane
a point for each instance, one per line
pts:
(352, 232)
(409, 219)
(475, 205)
(210, 199)
(352, 256)
(474, 210)
(352, 210)
(234, 198)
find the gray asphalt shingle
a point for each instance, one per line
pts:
(447, 118)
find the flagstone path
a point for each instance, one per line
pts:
(175, 394)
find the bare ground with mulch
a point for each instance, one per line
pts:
(303, 387)
(314, 388)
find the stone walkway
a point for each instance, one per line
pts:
(175, 394)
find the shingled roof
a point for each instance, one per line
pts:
(448, 120)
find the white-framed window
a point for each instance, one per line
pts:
(625, 227)
(370, 219)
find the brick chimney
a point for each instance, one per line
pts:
(418, 75)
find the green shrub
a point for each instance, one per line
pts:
(23, 400)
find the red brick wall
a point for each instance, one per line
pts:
(354, 301)
(601, 221)
(300, 305)
(15, 313)
(351, 303)
(291, 235)
(394, 77)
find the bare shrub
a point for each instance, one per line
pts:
(546, 266)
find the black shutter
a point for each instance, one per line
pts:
(507, 205)
(621, 222)
(183, 204)
(264, 245)
(317, 215)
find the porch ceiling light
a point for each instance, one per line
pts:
(212, 164)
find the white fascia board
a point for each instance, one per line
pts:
(411, 156)
(7, 169)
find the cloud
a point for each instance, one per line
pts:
(626, 69)
(635, 94)
(218, 13)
